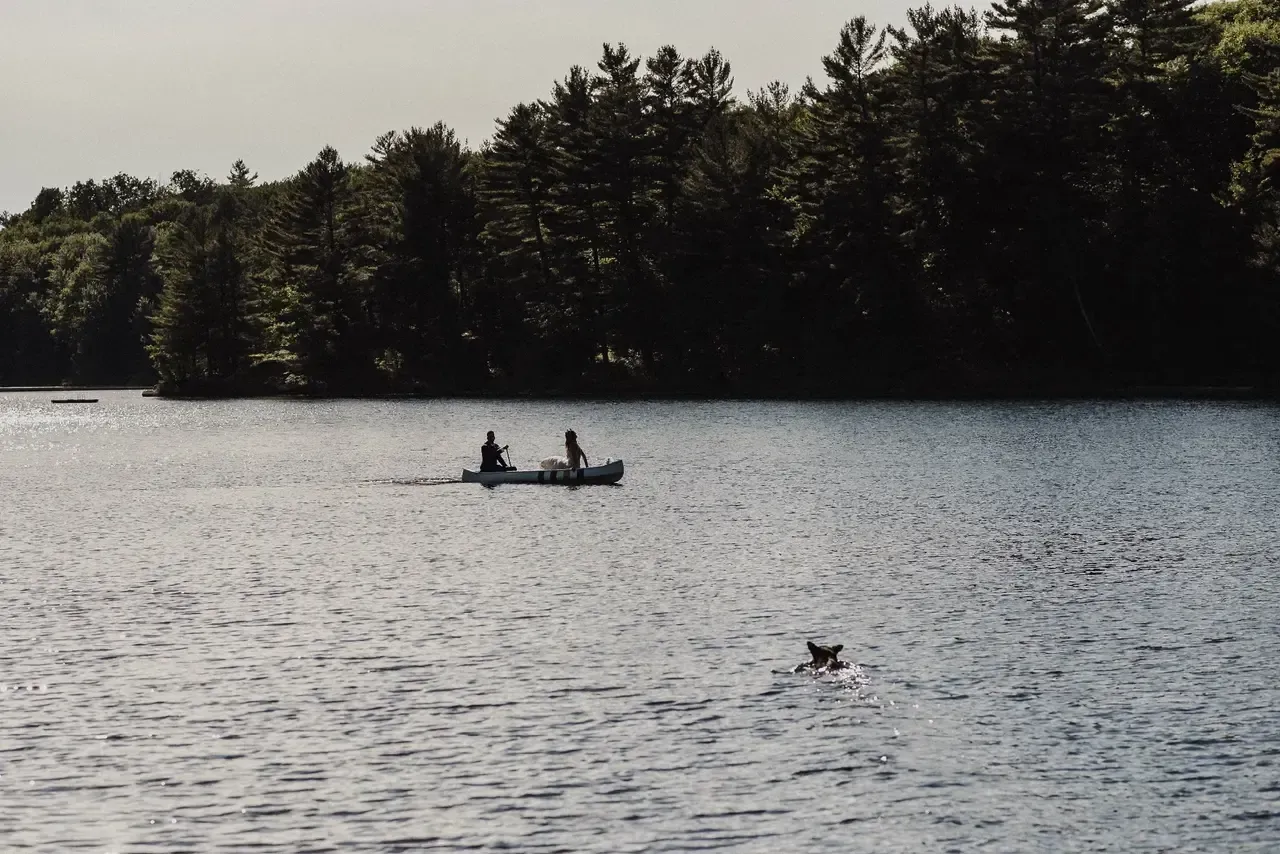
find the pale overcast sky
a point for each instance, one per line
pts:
(89, 88)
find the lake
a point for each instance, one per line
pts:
(276, 626)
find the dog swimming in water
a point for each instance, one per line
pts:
(824, 659)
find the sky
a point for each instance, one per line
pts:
(90, 88)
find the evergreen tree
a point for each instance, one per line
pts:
(577, 219)
(132, 284)
(518, 186)
(934, 94)
(1051, 99)
(669, 111)
(844, 301)
(240, 177)
(619, 157)
(1149, 33)
(204, 326)
(180, 328)
(317, 300)
(735, 246)
(425, 240)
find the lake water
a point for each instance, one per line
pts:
(269, 626)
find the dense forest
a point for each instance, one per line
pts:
(1053, 196)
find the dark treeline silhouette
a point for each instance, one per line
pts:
(1054, 196)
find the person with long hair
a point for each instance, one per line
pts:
(573, 452)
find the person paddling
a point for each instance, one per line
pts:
(491, 455)
(573, 452)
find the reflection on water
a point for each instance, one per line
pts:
(243, 624)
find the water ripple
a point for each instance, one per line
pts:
(240, 626)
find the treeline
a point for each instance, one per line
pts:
(1054, 196)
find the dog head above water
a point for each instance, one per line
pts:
(824, 658)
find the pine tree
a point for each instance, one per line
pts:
(1052, 106)
(842, 196)
(518, 189)
(240, 177)
(933, 101)
(180, 328)
(669, 112)
(1161, 180)
(317, 300)
(619, 158)
(204, 324)
(734, 243)
(132, 285)
(1149, 33)
(420, 180)
(519, 174)
(577, 220)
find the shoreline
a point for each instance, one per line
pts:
(22, 389)
(1144, 392)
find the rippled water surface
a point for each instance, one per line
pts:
(272, 626)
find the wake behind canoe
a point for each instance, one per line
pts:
(608, 473)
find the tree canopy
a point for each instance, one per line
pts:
(1055, 196)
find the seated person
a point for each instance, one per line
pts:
(491, 456)
(573, 452)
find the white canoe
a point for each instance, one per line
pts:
(608, 473)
